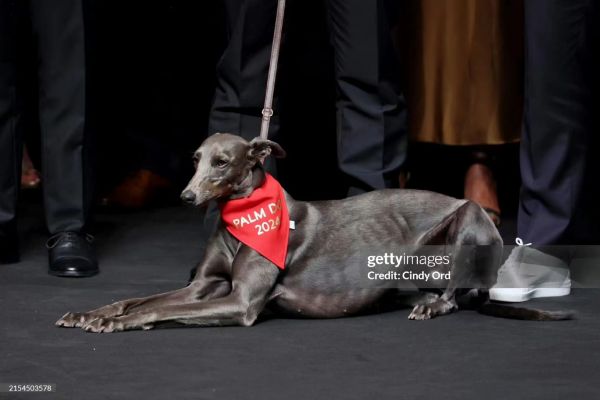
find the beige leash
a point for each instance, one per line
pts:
(267, 111)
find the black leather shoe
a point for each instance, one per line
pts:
(9, 247)
(71, 254)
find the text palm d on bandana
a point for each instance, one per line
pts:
(261, 221)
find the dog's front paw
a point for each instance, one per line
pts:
(72, 320)
(105, 325)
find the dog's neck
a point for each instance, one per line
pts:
(253, 180)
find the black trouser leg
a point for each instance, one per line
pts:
(243, 69)
(242, 79)
(556, 151)
(11, 108)
(59, 29)
(371, 123)
(371, 113)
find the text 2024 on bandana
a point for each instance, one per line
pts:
(261, 221)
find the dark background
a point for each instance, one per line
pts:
(151, 78)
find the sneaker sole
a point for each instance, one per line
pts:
(518, 295)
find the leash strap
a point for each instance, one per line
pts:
(267, 111)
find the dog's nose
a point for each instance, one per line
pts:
(188, 196)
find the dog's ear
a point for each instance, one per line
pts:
(262, 148)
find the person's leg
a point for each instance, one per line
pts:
(10, 132)
(555, 148)
(242, 79)
(30, 177)
(480, 183)
(370, 108)
(66, 141)
(243, 69)
(558, 118)
(59, 31)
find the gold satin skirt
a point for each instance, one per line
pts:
(463, 62)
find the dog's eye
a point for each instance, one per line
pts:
(196, 159)
(221, 163)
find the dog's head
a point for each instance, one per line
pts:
(225, 167)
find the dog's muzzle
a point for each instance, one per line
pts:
(188, 196)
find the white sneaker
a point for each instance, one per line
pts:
(529, 273)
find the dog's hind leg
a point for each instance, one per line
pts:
(477, 248)
(404, 299)
(439, 307)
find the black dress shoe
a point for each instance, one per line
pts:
(9, 247)
(71, 254)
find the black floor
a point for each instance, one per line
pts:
(461, 356)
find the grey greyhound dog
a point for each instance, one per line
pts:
(234, 284)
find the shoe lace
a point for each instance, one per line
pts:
(67, 237)
(520, 243)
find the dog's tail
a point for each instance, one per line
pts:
(523, 313)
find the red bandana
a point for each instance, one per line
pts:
(261, 221)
